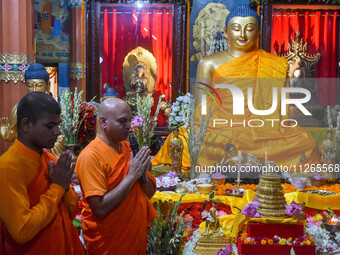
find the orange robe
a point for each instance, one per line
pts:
(284, 145)
(100, 169)
(36, 215)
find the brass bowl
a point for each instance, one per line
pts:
(218, 181)
(204, 188)
(332, 228)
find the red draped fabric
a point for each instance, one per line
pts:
(124, 29)
(318, 29)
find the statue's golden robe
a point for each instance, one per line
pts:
(284, 145)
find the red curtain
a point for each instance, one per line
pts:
(318, 29)
(124, 29)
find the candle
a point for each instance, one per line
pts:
(239, 166)
(265, 158)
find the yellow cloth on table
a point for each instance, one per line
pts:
(199, 198)
(234, 223)
(284, 145)
(314, 201)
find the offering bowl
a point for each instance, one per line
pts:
(204, 188)
(332, 225)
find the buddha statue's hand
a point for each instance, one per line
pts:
(7, 133)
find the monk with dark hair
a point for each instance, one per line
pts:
(37, 204)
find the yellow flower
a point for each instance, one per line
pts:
(308, 242)
(318, 217)
(282, 241)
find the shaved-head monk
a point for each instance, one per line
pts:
(117, 211)
(37, 205)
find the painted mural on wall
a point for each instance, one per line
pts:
(51, 31)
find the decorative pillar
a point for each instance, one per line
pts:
(16, 51)
(77, 45)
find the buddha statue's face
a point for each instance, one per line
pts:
(242, 33)
(37, 85)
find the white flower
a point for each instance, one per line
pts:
(180, 98)
(186, 99)
(178, 118)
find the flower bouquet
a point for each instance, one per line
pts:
(87, 129)
(143, 124)
(70, 110)
(180, 111)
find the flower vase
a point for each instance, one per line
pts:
(193, 172)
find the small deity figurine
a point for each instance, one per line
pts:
(139, 82)
(328, 149)
(176, 148)
(212, 224)
(230, 157)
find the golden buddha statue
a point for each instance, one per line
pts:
(36, 80)
(212, 224)
(245, 66)
(328, 155)
(176, 148)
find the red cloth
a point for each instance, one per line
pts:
(318, 29)
(123, 231)
(150, 29)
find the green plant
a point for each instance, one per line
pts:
(143, 129)
(70, 110)
(165, 235)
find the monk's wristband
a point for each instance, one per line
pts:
(143, 179)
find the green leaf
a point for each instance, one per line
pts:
(217, 201)
(77, 223)
(292, 252)
(212, 195)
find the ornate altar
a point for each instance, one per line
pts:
(301, 71)
(139, 75)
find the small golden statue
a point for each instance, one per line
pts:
(176, 148)
(212, 240)
(328, 149)
(139, 76)
(212, 224)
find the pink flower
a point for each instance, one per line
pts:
(187, 218)
(137, 121)
(204, 214)
(250, 210)
(292, 209)
(221, 213)
(317, 176)
(225, 251)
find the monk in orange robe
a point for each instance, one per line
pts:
(37, 203)
(117, 211)
(245, 66)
